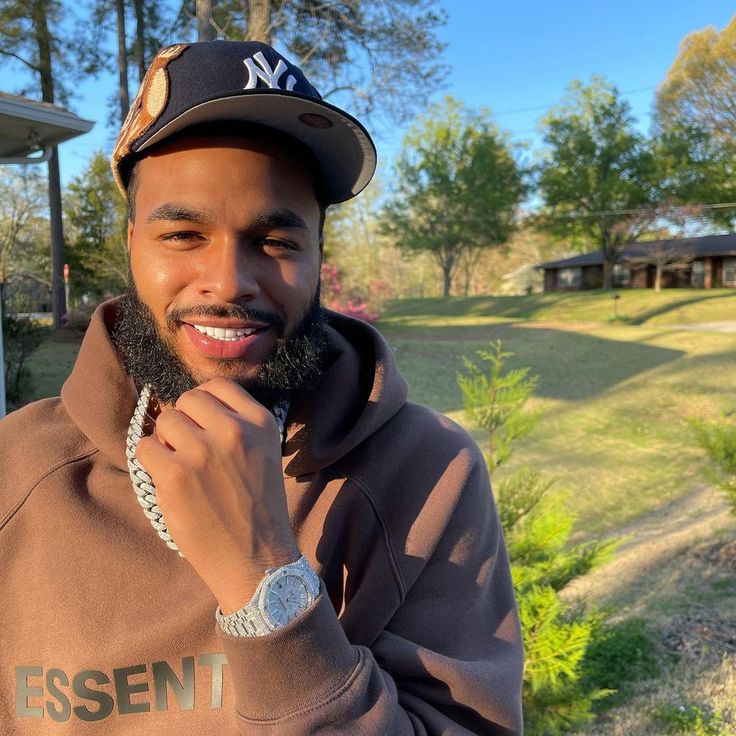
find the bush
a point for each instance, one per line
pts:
(367, 306)
(556, 635)
(718, 439)
(691, 720)
(21, 337)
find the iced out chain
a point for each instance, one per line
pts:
(143, 485)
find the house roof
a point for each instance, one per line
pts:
(27, 125)
(708, 245)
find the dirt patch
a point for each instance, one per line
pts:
(703, 635)
(722, 554)
(643, 564)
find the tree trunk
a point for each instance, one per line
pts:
(205, 29)
(258, 20)
(58, 293)
(43, 41)
(122, 61)
(608, 271)
(658, 278)
(447, 281)
(140, 39)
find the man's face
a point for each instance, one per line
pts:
(225, 252)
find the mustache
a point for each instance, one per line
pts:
(224, 311)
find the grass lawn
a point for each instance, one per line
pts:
(615, 403)
(615, 400)
(635, 306)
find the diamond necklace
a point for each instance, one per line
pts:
(143, 485)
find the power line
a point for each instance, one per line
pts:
(535, 108)
(603, 213)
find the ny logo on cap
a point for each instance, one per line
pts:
(270, 76)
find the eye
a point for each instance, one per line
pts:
(182, 237)
(277, 245)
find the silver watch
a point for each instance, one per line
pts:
(285, 593)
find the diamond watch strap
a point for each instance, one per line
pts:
(249, 620)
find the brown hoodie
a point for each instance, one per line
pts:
(104, 630)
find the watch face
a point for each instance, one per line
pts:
(286, 598)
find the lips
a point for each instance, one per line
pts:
(227, 341)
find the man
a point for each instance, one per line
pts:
(340, 565)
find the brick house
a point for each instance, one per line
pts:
(708, 262)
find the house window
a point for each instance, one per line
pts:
(729, 271)
(697, 275)
(621, 275)
(569, 278)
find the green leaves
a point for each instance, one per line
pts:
(718, 439)
(457, 186)
(96, 220)
(597, 166)
(495, 400)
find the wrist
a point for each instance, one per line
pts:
(282, 595)
(239, 588)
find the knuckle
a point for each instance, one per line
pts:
(231, 430)
(184, 400)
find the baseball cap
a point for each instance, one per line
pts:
(192, 84)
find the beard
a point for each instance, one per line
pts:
(149, 355)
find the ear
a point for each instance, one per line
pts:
(130, 234)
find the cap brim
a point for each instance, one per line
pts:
(344, 149)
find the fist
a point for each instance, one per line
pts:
(215, 458)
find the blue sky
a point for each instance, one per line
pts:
(514, 57)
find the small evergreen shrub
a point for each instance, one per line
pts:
(718, 439)
(537, 526)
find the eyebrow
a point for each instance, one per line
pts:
(173, 212)
(278, 218)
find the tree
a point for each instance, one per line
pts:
(695, 169)
(112, 19)
(597, 170)
(26, 37)
(458, 187)
(666, 256)
(384, 54)
(97, 222)
(700, 86)
(23, 230)
(557, 634)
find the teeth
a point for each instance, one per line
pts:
(224, 333)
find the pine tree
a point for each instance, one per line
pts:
(537, 528)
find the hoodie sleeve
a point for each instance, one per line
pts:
(448, 662)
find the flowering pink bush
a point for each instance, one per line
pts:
(368, 307)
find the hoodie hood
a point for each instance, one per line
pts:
(358, 392)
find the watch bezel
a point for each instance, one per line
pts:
(267, 585)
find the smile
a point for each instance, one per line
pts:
(225, 333)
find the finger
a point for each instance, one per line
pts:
(152, 454)
(177, 430)
(237, 399)
(204, 409)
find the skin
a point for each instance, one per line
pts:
(223, 221)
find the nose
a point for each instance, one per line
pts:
(228, 273)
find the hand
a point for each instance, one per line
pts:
(215, 459)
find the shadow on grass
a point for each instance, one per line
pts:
(644, 317)
(571, 366)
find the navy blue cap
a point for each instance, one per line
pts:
(192, 84)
